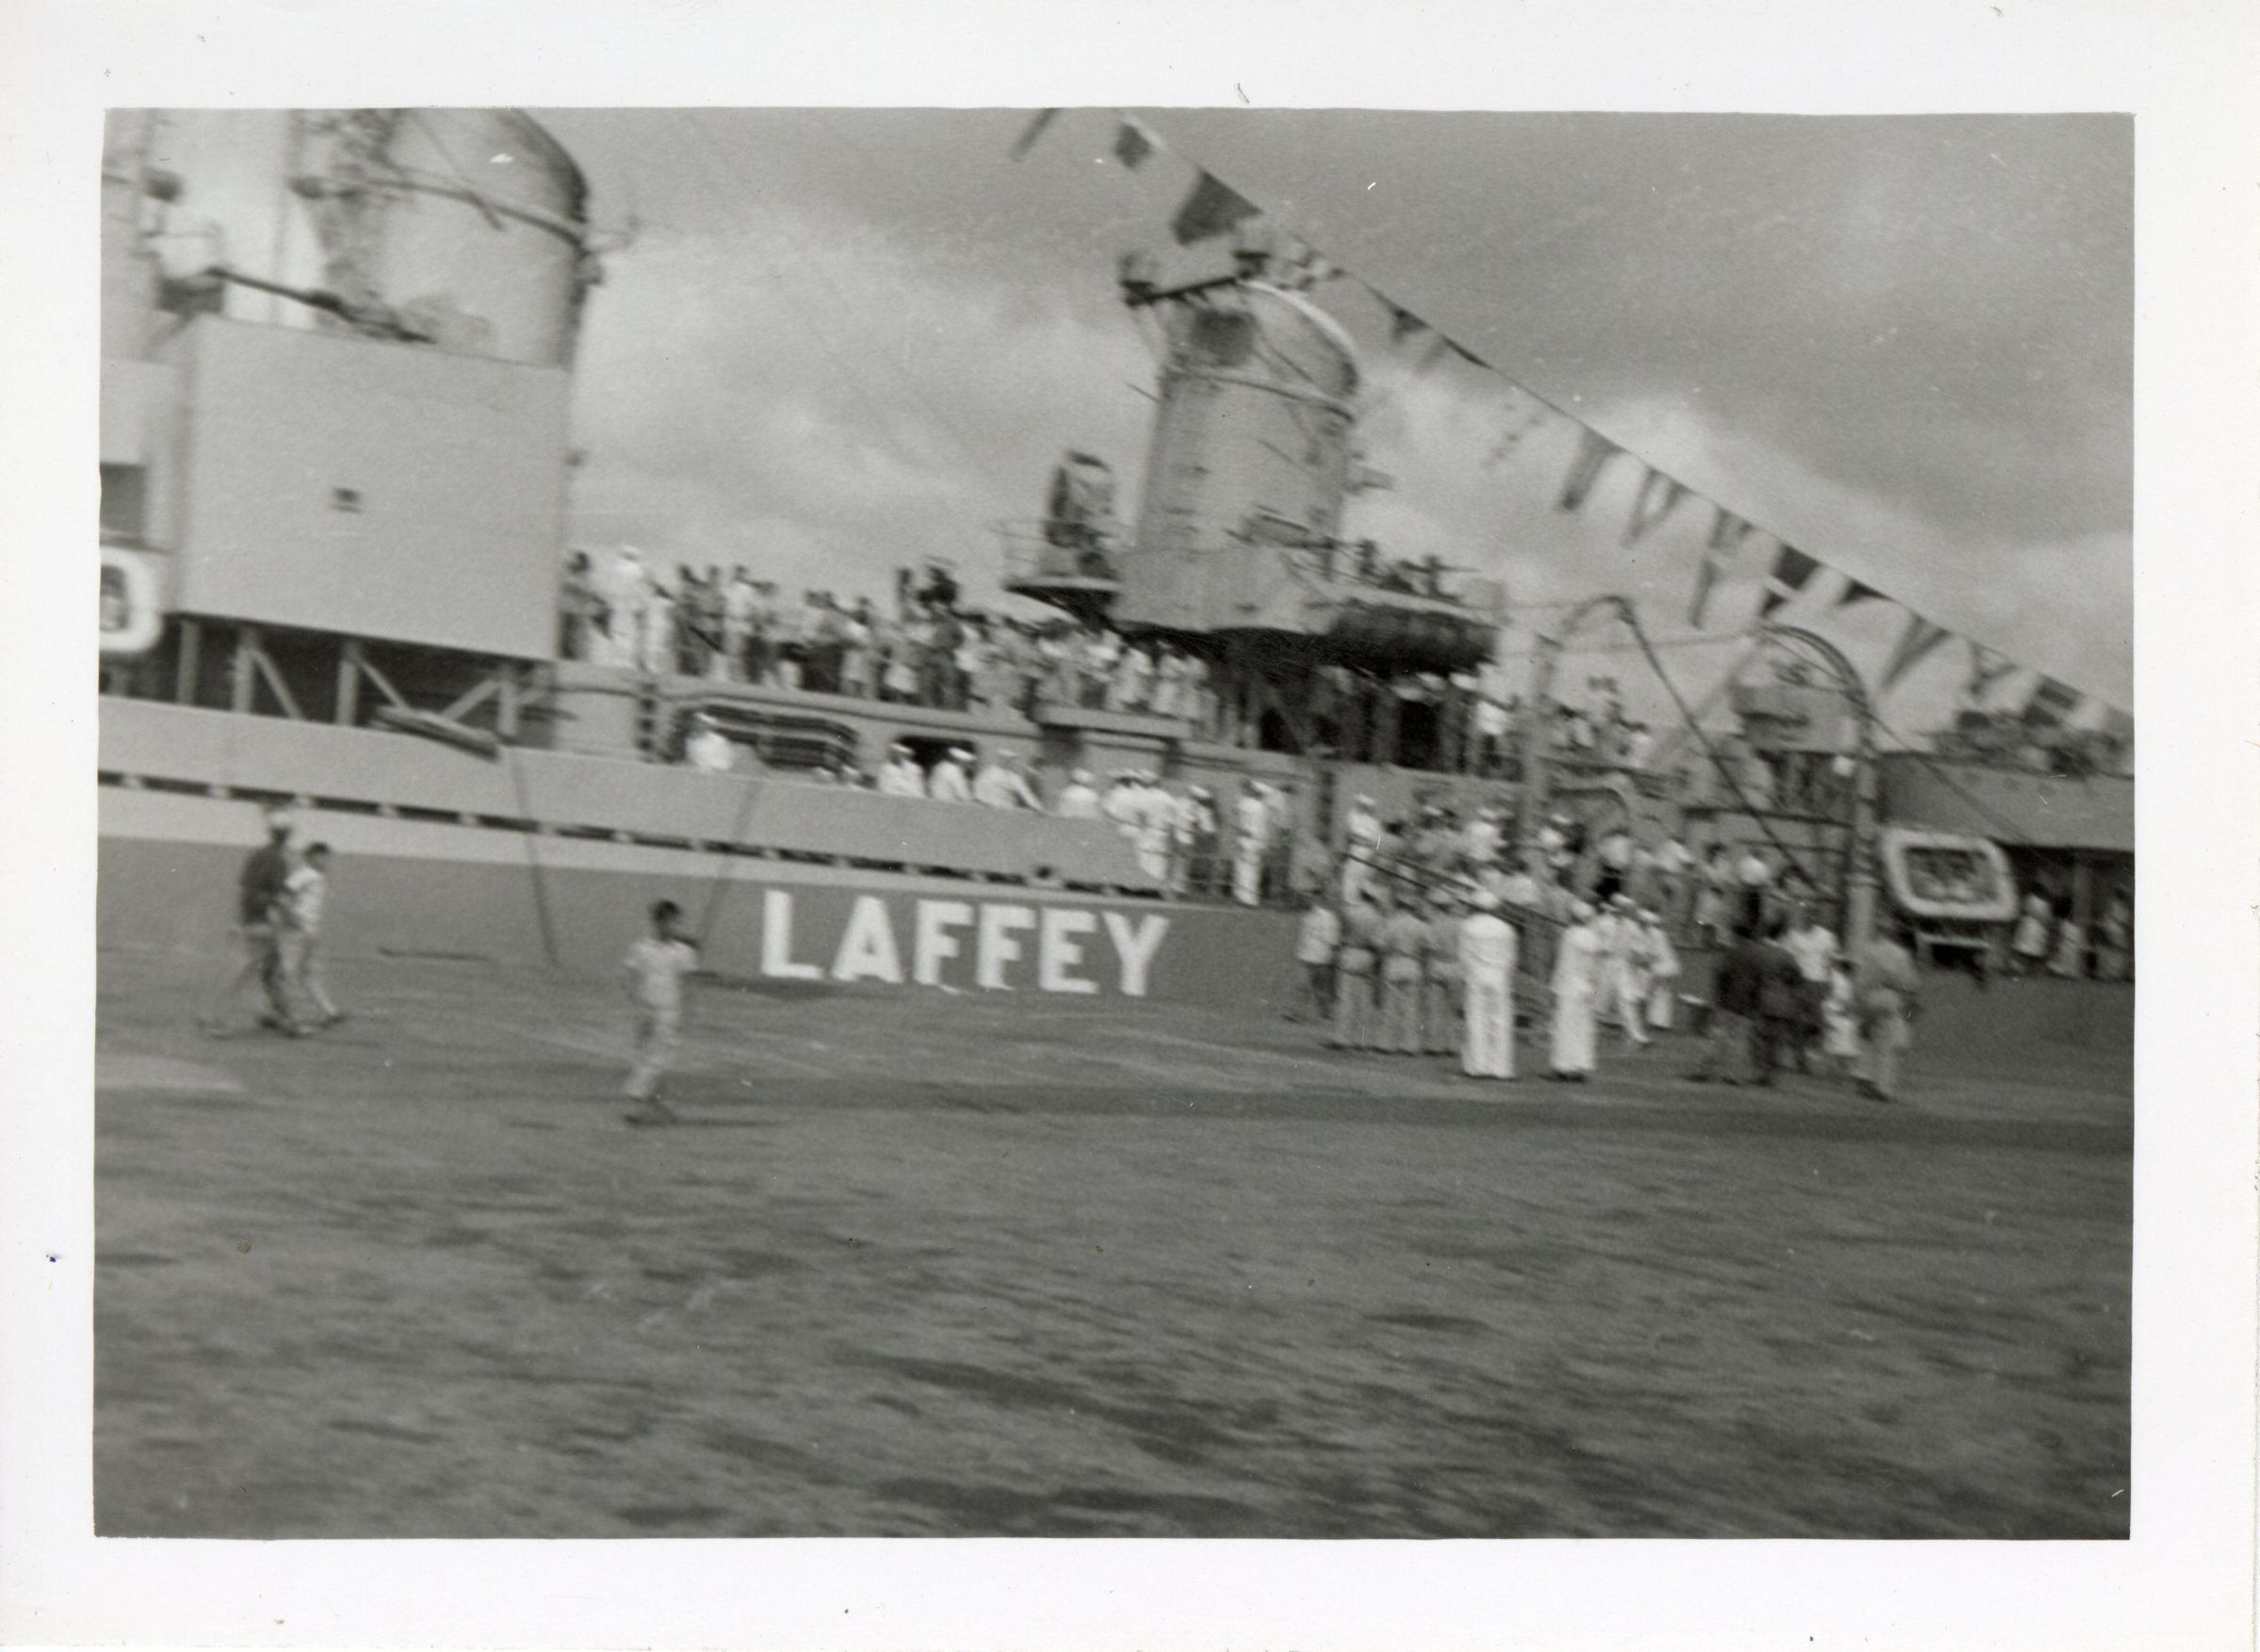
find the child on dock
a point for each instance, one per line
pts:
(305, 957)
(656, 965)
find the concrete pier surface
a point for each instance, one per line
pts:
(922, 1262)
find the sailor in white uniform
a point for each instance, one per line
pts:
(948, 782)
(1121, 804)
(1488, 944)
(1156, 817)
(1000, 785)
(1361, 844)
(901, 776)
(1576, 988)
(1252, 816)
(1079, 798)
(1663, 971)
(1618, 994)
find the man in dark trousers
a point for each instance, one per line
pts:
(259, 892)
(1737, 983)
(1781, 1003)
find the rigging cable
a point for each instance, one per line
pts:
(756, 782)
(1655, 663)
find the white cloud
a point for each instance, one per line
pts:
(861, 411)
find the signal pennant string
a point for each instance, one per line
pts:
(1213, 207)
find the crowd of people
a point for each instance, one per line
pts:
(923, 649)
(1604, 735)
(1381, 936)
(1567, 861)
(1182, 837)
(1404, 965)
(2048, 939)
(926, 648)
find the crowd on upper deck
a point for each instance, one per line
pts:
(925, 648)
(928, 648)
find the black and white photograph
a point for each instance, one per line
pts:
(1121, 819)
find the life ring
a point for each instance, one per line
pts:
(132, 603)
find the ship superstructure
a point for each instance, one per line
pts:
(1241, 548)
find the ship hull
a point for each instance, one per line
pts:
(414, 888)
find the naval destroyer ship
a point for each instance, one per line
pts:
(335, 453)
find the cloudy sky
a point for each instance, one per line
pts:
(846, 339)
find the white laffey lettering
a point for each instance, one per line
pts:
(867, 948)
(1058, 951)
(998, 947)
(1135, 946)
(777, 940)
(935, 943)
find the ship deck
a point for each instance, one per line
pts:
(928, 1263)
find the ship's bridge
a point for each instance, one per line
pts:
(1350, 604)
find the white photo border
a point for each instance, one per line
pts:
(2184, 69)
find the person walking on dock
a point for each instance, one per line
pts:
(1488, 944)
(260, 891)
(305, 955)
(656, 966)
